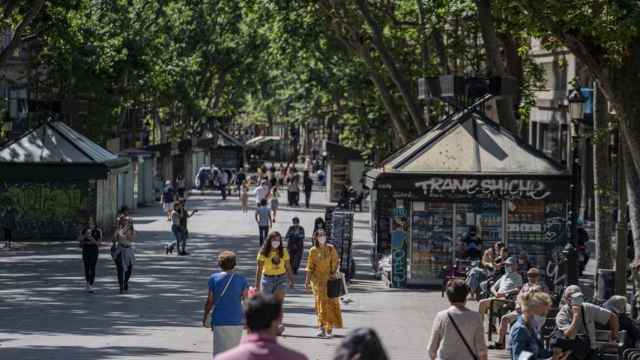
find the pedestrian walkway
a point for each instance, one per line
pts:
(46, 314)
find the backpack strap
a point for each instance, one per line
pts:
(473, 355)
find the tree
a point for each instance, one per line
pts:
(16, 17)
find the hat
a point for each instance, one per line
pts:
(533, 271)
(577, 298)
(617, 304)
(570, 290)
(509, 261)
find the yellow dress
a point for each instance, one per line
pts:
(323, 262)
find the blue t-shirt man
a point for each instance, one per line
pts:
(228, 308)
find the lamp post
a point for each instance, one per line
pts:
(576, 113)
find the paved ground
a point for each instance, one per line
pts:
(45, 313)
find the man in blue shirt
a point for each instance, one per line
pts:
(226, 291)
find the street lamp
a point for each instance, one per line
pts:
(576, 113)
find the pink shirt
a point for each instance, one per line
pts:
(260, 347)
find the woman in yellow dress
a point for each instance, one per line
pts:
(322, 265)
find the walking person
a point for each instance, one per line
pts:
(181, 184)
(264, 318)
(322, 265)
(122, 252)
(274, 202)
(457, 333)
(184, 219)
(263, 218)
(168, 198)
(294, 187)
(307, 184)
(295, 244)
(274, 269)
(262, 192)
(9, 225)
(244, 196)
(241, 178)
(224, 303)
(90, 240)
(176, 228)
(223, 181)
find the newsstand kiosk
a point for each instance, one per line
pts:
(466, 172)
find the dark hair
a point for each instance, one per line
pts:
(319, 224)
(261, 311)
(499, 245)
(266, 247)
(296, 220)
(363, 344)
(227, 260)
(457, 291)
(263, 202)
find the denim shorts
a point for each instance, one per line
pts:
(270, 284)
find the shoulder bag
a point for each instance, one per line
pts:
(207, 321)
(473, 355)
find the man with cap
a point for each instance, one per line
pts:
(533, 284)
(576, 314)
(507, 285)
(618, 305)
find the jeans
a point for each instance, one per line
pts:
(296, 249)
(223, 191)
(90, 259)
(270, 284)
(123, 276)
(181, 240)
(263, 231)
(307, 198)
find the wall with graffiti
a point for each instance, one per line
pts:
(49, 210)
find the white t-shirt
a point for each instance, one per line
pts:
(261, 193)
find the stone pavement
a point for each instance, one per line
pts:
(46, 314)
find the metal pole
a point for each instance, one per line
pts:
(621, 226)
(570, 248)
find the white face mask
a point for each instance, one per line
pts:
(508, 269)
(275, 244)
(322, 240)
(537, 322)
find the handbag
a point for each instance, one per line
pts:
(207, 321)
(580, 347)
(466, 344)
(113, 250)
(335, 287)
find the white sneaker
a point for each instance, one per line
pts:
(329, 335)
(321, 333)
(90, 288)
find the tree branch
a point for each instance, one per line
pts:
(15, 41)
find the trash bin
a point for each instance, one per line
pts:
(606, 284)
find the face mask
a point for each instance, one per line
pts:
(322, 240)
(508, 270)
(275, 244)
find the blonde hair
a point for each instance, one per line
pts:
(534, 298)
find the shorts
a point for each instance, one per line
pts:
(270, 284)
(226, 337)
(167, 207)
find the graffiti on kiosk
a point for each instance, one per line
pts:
(399, 238)
(530, 189)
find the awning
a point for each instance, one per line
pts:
(259, 140)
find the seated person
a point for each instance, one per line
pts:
(475, 277)
(575, 315)
(493, 275)
(533, 284)
(507, 285)
(618, 305)
(473, 244)
(491, 254)
(525, 334)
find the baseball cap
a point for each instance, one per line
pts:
(509, 261)
(577, 298)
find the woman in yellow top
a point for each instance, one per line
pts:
(322, 265)
(274, 268)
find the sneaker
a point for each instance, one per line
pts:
(166, 249)
(321, 333)
(329, 335)
(91, 289)
(87, 287)
(496, 346)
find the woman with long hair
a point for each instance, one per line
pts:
(362, 343)
(274, 202)
(274, 268)
(322, 265)
(90, 240)
(244, 196)
(123, 253)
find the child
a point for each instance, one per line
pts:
(274, 202)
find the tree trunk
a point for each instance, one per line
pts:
(496, 66)
(602, 184)
(633, 196)
(408, 97)
(16, 38)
